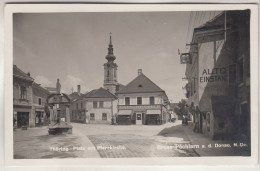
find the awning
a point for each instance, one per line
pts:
(153, 112)
(124, 112)
(39, 110)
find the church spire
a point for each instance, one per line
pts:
(110, 56)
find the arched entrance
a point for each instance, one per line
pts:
(59, 113)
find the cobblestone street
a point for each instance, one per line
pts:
(36, 143)
(106, 141)
(117, 141)
(135, 146)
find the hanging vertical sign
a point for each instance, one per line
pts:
(185, 58)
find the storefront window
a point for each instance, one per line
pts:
(104, 116)
(92, 116)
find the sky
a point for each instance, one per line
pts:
(73, 46)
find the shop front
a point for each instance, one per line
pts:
(139, 117)
(153, 117)
(40, 117)
(124, 117)
(21, 116)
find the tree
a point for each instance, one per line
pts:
(181, 108)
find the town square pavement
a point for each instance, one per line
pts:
(106, 141)
(116, 141)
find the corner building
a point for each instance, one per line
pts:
(142, 102)
(221, 49)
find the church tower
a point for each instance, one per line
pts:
(110, 70)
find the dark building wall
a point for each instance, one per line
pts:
(232, 53)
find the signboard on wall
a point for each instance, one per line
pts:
(185, 58)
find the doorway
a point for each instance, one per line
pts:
(139, 118)
(38, 118)
(22, 119)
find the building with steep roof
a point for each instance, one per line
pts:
(218, 88)
(28, 100)
(40, 95)
(96, 106)
(142, 102)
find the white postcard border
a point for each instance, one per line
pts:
(49, 8)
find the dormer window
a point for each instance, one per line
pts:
(140, 85)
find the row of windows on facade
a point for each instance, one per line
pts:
(23, 95)
(95, 104)
(92, 116)
(139, 100)
(127, 102)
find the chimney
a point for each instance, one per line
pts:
(139, 71)
(29, 74)
(79, 89)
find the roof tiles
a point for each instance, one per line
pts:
(141, 84)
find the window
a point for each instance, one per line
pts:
(139, 117)
(139, 100)
(127, 101)
(39, 101)
(104, 116)
(151, 100)
(94, 104)
(23, 94)
(81, 105)
(101, 104)
(92, 116)
(107, 73)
